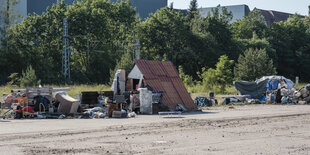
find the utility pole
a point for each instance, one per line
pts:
(66, 52)
(137, 46)
(7, 24)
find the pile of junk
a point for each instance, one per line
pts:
(150, 88)
(55, 103)
(271, 89)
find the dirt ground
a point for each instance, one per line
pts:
(250, 129)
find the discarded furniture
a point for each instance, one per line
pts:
(67, 104)
(90, 98)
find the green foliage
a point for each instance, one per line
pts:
(14, 79)
(253, 23)
(193, 11)
(257, 43)
(7, 17)
(187, 80)
(253, 64)
(217, 79)
(29, 78)
(37, 41)
(217, 25)
(125, 63)
(191, 41)
(290, 39)
(163, 34)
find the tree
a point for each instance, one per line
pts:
(217, 24)
(290, 39)
(187, 79)
(253, 23)
(163, 35)
(256, 43)
(193, 11)
(217, 79)
(171, 6)
(253, 64)
(14, 79)
(110, 27)
(29, 78)
(7, 18)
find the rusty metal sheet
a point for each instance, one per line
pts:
(164, 77)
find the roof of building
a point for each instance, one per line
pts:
(272, 16)
(163, 76)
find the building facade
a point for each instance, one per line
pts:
(271, 16)
(144, 7)
(238, 11)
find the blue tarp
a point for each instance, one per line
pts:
(272, 84)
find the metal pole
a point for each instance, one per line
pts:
(66, 52)
(138, 49)
(7, 22)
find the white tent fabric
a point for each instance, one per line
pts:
(288, 82)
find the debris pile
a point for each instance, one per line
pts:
(274, 89)
(303, 95)
(150, 88)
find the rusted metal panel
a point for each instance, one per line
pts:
(164, 77)
(187, 100)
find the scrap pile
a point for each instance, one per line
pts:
(150, 88)
(273, 89)
(205, 101)
(53, 103)
(303, 95)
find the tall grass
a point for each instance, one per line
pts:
(230, 89)
(300, 85)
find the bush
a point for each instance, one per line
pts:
(187, 80)
(14, 79)
(29, 78)
(217, 79)
(254, 63)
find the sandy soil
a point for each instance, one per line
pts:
(251, 129)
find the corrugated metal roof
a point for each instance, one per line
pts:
(163, 76)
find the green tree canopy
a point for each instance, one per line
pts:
(29, 78)
(290, 39)
(253, 64)
(193, 11)
(38, 40)
(125, 63)
(253, 23)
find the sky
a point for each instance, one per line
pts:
(289, 6)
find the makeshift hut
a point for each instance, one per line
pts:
(260, 87)
(160, 76)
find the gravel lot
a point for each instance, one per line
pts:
(250, 129)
